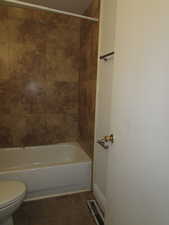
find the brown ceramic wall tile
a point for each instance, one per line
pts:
(12, 129)
(20, 13)
(35, 130)
(59, 100)
(10, 96)
(61, 127)
(4, 61)
(93, 10)
(6, 138)
(63, 44)
(3, 44)
(87, 79)
(3, 12)
(87, 115)
(27, 50)
(18, 125)
(3, 31)
(39, 74)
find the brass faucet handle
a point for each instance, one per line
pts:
(109, 138)
(105, 142)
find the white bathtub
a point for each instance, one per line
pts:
(47, 170)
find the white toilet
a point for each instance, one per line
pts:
(12, 194)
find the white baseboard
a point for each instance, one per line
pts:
(99, 197)
(57, 191)
(54, 195)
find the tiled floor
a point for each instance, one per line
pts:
(67, 210)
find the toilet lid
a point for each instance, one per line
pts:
(10, 191)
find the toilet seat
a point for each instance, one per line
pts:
(10, 192)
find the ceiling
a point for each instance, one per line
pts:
(74, 6)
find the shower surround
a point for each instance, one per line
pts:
(48, 70)
(39, 77)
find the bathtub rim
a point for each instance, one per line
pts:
(32, 147)
(43, 167)
(36, 166)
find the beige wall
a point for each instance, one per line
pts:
(138, 164)
(103, 98)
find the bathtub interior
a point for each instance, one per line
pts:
(41, 156)
(47, 171)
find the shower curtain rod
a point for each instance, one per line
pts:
(49, 9)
